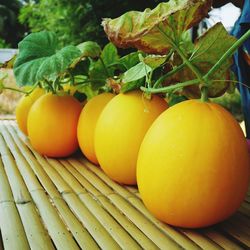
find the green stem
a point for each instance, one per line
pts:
(72, 79)
(204, 94)
(50, 86)
(16, 90)
(189, 64)
(171, 87)
(227, 54)
(183, 56)
(172, 72)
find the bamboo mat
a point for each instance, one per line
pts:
(71, 204)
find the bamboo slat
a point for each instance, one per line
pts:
(54, 225)
(107, 221)
(84, 240)
(10, 221)
(71, 204)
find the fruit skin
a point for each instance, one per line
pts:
(120, 130)
(87, 124)
(52, 125)
(23, 108)
(193, 165)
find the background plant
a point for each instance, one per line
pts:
(11, 31)
(76, 20)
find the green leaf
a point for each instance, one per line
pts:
(154, 31)
(102, 69)
(109, 54)
(97, 71)
(128, 86)
(39, 58)
(207, 51)
(137, 72)
(87, 90)
(130, 60)
(154, 61)
(89, 49)
(186, 43)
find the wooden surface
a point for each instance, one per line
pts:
(71, 204)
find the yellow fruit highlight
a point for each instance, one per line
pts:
(52, 125)
(193, 165)
(120, 130)
(87, 124)
(23, 108)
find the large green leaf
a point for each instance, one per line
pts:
(153, 31)
(89, 49)
(207, 51)
(39, 58)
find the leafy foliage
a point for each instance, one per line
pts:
(39, 59)
(3, 44)
(207, 51)
(162, 30)
(154, 31)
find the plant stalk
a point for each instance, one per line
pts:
(171, 87)
(184, 58)
(172, 72)
(204, 94)
(16, 90)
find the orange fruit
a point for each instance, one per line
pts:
(52, 125)
(87, 123)
(23, 107)
(193, 165)
(120, 130)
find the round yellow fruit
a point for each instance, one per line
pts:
(193, 165)
(23, 108)
(120, 130)
(52, 125)
(87, 124)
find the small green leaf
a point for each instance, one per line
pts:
(87, 90)
(137, 72)
(109, 54)
(154, 61)
(39, 58)
(102, 69)
(89, 49)
(129, 60)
